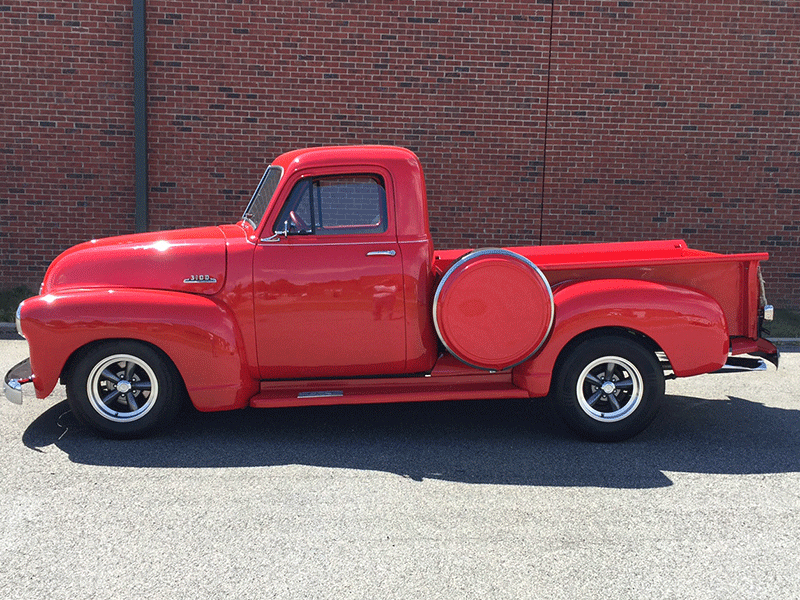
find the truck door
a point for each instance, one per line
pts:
(328, 289)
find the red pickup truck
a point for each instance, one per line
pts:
(329, 291)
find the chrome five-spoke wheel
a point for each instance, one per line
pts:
(124, 388)
(609, 388)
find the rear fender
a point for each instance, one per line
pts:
(688, 325)
(200, 336)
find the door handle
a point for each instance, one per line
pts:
(381, 253)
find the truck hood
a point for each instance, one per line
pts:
(188, 260)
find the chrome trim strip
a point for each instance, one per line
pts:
(328, 394)
(381, 253)
(319, 243)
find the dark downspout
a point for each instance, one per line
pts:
(547, 119)
(140, 113)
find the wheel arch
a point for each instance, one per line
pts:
(199, 336)
(688, 326)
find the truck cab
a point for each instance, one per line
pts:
(342, 258)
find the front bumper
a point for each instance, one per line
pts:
(14, 380)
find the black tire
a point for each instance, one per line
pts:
(124, 389)
(609, 389)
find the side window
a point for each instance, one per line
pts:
(296, 213)
(336, 205)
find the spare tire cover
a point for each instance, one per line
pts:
(493, 309)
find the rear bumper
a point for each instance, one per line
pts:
(761, 349)
(769, 352)
(14, 380)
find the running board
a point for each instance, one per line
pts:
(382, 393)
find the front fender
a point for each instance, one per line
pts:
(198, 334)
(688, 325)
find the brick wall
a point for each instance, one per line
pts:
(664, 119)
(678, 119)
(66, 130)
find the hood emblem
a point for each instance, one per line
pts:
(200, 279)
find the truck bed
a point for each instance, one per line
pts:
(731, 279)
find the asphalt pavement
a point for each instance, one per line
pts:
(491, 499)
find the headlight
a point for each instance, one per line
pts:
(17, 319)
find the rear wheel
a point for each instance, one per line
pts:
(609, 388)
(124, 389)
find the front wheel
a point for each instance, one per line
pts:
(124, 389)
(609, 389)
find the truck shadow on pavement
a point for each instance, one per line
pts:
(510, 442)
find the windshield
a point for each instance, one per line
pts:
(260, 200)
